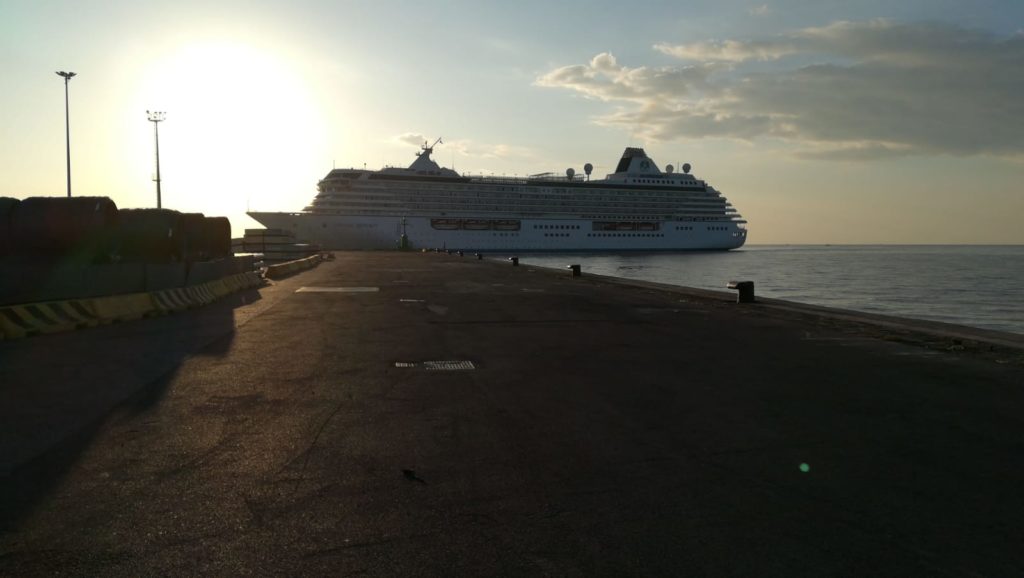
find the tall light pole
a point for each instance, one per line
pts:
(67, 122)
(156, 117)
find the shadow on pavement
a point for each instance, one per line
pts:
(57, 392)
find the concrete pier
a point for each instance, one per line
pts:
(426, 414)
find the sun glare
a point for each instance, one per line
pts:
(242, 126)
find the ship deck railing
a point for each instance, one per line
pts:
(518, 180)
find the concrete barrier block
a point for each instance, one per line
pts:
(76, 312)
(172, 300)
(17, 321)
(165, 276)
(282, 270)
(232, 283)
(244, 264)
(43, 318)
(32, 282)
(208, 295)
(124, 307)
(12, 326)
(201, 272)
(116, 279)
(211, 295)
(198, 296)
(219, 288)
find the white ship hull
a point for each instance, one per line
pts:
(342, 232)
(426, 206)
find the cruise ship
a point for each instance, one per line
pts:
(425, 206)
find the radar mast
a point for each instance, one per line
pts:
(429, 149)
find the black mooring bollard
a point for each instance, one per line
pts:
(515, 261)
(575, 270)
(744, 290)
(461, 254)
(479, 256)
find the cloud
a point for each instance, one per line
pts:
(604, 79)
(853, 152)
(762, 10)
(470, 149)
(411, 138)
(477, 150)
(876, 88)
(728, 50)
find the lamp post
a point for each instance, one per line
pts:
(67, 122)
(156, 117)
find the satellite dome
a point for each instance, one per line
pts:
(570, 172)
(588, 168)
(669, 169)
(686, 167)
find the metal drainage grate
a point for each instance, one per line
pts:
(438, 365)
(337, 290)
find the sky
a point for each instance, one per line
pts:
(832, 121)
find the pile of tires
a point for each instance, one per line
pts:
(7, 206)
(66, 228)
(151, 236)
(93, 230)
(218, 237)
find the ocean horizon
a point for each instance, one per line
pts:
(974, 285)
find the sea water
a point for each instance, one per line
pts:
(979, 286)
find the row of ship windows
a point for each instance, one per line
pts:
(500, 189)
(660, 182)
(424, 193)
(556, 226)
(418, 211)
(694, 214)
(428, 196)
(487, 195)
(625, 234)
(556, 234)
(371, 201)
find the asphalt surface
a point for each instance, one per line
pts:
(604, 429)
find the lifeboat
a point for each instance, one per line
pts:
(506, 225)
(445, 224)
(476, 224)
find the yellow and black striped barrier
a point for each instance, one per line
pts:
(283, 270)
(19, 321)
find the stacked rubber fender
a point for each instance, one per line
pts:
(151, 236)
(93, 230)
(79, 228)
(194, 227)
(203, 238)
(7, 207)
(218, 237)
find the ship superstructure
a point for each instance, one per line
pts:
(638, 207)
